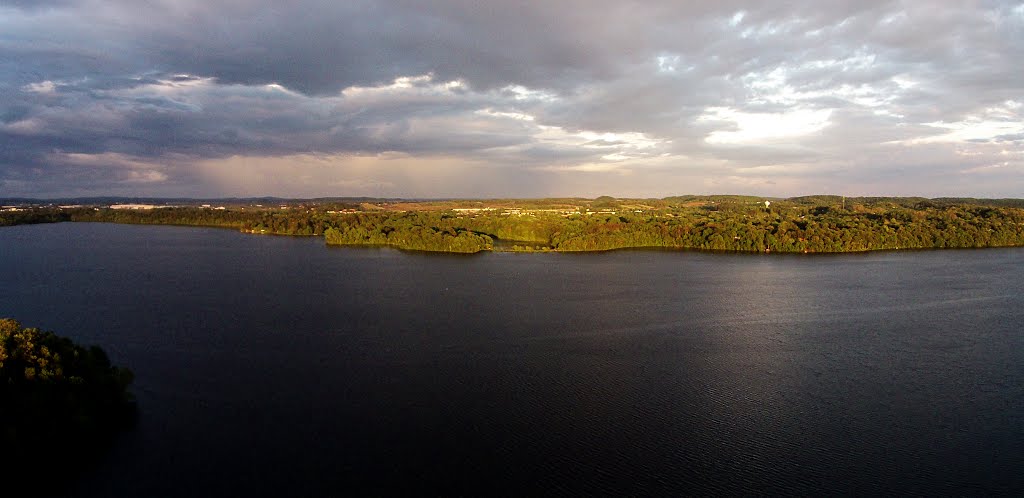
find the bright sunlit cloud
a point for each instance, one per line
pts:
(993, 123)
(763, 128)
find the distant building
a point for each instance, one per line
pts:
(133, 206)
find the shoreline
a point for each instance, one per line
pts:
(547, 250)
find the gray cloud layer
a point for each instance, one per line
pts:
(471, 98)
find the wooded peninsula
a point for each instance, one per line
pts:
(810, 224)
(60, 406)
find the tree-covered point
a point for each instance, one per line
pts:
(57, 398)
(429, 231)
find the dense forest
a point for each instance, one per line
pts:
(414, 231)
(59, 403)
(811, 224)
(31, 216)
(797, 229)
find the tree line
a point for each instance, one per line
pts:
(818, 224)
(60, 403)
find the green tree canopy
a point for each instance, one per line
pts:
(58, 400)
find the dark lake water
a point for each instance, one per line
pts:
(278, 366)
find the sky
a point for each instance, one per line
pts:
(498, 99)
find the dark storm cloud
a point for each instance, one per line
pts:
(728, 91)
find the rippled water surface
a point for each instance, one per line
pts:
(272, 365)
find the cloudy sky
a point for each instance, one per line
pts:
(487, 98)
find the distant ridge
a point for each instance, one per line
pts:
(822, 199)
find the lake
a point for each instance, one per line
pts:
(279, 366)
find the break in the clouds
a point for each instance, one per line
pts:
(498, 98)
